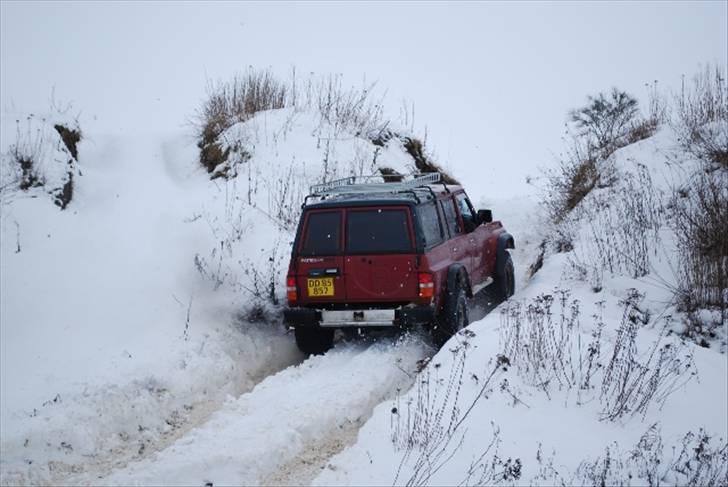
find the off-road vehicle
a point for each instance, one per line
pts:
(409, 253)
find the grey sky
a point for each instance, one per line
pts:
(492, 81)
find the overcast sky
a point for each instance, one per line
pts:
(492, 81)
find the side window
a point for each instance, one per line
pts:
(451, 217)
(430, 224)
(466, 210)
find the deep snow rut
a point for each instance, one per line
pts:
(289, 424)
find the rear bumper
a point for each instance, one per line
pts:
(404, 317)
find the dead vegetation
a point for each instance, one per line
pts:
(232, 102)
(543, 340)
(702, 116)
(424, 164)
(607, 123)
(351, 111)
(699, 207)
(27, 163)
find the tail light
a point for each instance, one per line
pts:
(291, 291)
(427, 285)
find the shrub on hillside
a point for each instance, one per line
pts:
(424, 164)
(575, 176)
(543, 341)
(233, 102)
(700, 221)
(606, 123)
(342, 112)
(606, 118)
(702, 116)
(43, 156)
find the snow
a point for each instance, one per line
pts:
(565, 428)
(127, 312)
(255, 434)
(553, 431)
(138, 344)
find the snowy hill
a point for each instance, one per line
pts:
(126, 316)
(140, 342)
(582, 377)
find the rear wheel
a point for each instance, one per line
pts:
(505, 282)
(454, 318)
(314, 340)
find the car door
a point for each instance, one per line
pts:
(460, 247)
(476, 236)
(380, 256)
(320, 261)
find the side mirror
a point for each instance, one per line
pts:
(485, 216)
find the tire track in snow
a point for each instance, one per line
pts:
(168, 408)
(304, 409)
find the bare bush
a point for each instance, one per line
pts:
(232, 102)
(342, 111)
(285, 193)
(631, 383)
(606, 117)
(544, 342)
(696, 461)
(624, 228)
(424, 164)
(28, 162)
(606, 124)
(27, 151)
(699, 218)
(575, 176)
(430, 430)
(702, 116)
(351, 109)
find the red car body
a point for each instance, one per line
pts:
(391, 256)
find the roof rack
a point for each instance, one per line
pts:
(362, 184)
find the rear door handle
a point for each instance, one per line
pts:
(331, 271)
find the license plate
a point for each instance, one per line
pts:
(323, 286)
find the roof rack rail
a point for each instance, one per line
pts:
(361, 184)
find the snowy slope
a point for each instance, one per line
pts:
(128, 355)
(496, 407)
(124, 317)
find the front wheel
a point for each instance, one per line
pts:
(314, 340)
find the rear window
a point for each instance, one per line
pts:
(322, 233)
(377, 231)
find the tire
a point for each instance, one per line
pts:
(505, 282)
(314, 340)
(454, 317)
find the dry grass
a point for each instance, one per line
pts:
(233, 102)
(341, 110)
(700, 221)
(702, 116)
(424, 164)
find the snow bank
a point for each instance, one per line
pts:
(488, 409)
(124, 319)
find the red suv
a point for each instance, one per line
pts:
(390, 254)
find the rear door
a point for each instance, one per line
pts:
(320, 262)
(380, 257)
